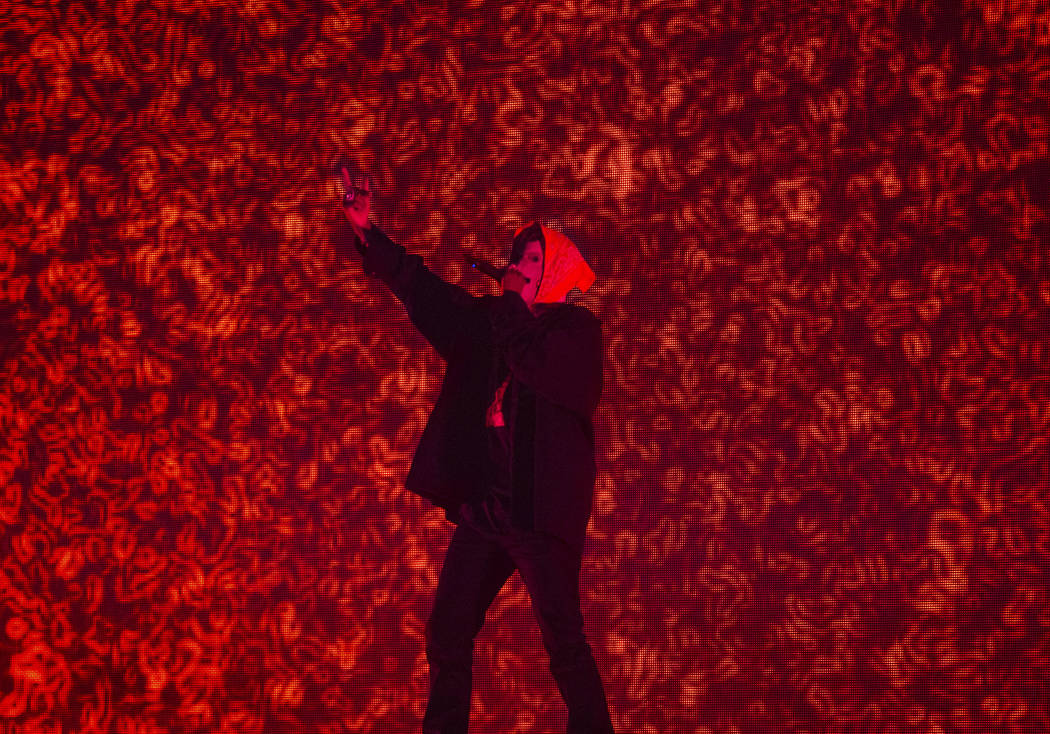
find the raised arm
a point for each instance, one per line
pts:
(438, 309)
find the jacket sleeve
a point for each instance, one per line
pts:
(560, 359)
(438, 309)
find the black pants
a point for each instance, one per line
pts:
(476, 566)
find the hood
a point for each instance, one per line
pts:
(563, 266)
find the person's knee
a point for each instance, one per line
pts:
(448, 634)
(569, 651)
(562, 627)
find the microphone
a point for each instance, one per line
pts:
(487, 268)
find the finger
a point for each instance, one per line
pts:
(518, 274)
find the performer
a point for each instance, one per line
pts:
(508, 451)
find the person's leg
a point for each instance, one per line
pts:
(550, 569)
(474, 571)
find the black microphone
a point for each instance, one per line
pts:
(487, 268)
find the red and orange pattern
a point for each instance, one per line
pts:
(821, 238)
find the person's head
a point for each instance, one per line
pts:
(527, 255)
(551, 261)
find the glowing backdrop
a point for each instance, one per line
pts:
(821, 237)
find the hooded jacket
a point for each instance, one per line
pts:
(554, 359)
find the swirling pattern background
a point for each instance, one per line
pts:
(821, 238)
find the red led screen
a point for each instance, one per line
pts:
(820, 233)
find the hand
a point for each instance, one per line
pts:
(513, 280)
(357, 210)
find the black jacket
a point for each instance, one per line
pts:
(555, 363)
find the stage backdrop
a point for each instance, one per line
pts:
(820, 232)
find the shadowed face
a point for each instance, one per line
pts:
(531, 266)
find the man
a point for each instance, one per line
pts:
(508, 452)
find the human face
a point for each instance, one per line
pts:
(531, 266)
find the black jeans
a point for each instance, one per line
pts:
(476, 566)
